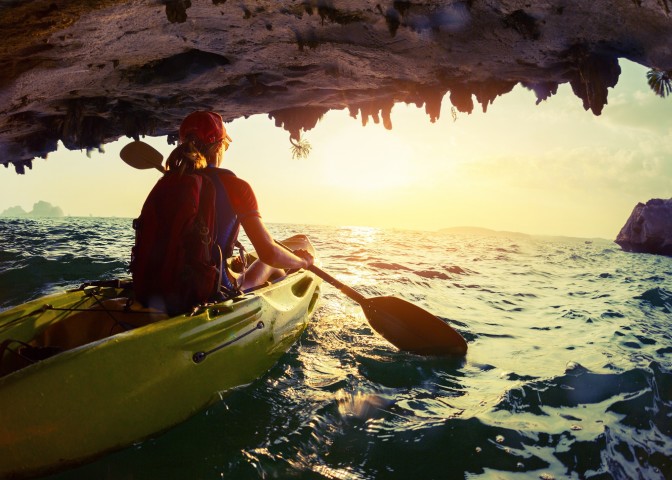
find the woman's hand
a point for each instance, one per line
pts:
(305, 256)
(237, 265)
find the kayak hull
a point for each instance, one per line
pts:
(117, 390)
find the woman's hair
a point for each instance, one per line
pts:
(186, 158)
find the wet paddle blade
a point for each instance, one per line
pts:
(142, 156)
(412, 329)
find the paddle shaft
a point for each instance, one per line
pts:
(350, 292)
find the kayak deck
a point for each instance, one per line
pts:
(66, 321)
(115, 373)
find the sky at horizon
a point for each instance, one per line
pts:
(551, 169)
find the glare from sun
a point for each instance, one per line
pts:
(369, 160)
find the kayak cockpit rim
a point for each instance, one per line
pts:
(110, 304)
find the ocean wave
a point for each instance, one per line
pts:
(432, 274)
(458, 270)
(388, 266)
(31, 276)
(630, 440)
(658, 297)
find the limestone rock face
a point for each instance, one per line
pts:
(649, 228)
(86, 73)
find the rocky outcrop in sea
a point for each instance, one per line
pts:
(649, 228)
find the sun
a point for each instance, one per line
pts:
(371, 160)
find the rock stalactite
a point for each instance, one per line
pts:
(86, 73)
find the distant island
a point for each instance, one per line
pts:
(40, 209)
(481, 231)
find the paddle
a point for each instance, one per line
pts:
(405, 325)
(142, 156)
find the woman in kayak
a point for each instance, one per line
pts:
(236, 205)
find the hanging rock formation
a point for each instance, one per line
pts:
(649, 228)
(86, 73)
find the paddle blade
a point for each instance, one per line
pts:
(410, 328)
(142, 156)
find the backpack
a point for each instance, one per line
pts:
(172, 261)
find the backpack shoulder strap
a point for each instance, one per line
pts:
(206, 210)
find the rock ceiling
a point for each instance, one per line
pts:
(87, 73)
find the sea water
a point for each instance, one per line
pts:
(568, 374)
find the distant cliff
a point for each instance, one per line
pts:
(40, 209)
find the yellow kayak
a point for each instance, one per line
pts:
(86, 372)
